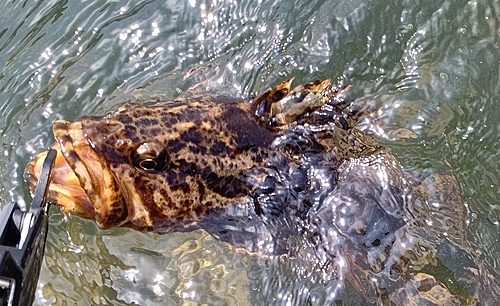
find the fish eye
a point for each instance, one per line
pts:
(148, 164)
(150, 157)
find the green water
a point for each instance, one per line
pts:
(433, 64)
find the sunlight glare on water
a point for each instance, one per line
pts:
(431, 66)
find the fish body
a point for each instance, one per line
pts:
(287, 173)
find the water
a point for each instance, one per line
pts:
(433, 64)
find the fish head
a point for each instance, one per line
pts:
(154, 166)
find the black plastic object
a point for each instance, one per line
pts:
(22, 243)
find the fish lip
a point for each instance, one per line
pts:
(65, 190)
(71, 141)
(96, 179)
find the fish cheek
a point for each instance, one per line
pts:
(146, 189)
(114, 209)
(116, 214)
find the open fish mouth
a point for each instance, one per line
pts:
(79, 178)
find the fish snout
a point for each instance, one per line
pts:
(81, 183)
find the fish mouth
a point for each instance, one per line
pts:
(79, 178)
(64, 189)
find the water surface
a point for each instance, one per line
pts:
(433, 65)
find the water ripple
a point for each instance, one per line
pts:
(433, 66)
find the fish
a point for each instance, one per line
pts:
(287, 173)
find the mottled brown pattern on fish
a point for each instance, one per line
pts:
(207, 151)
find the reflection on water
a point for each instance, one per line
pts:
(431, 66)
